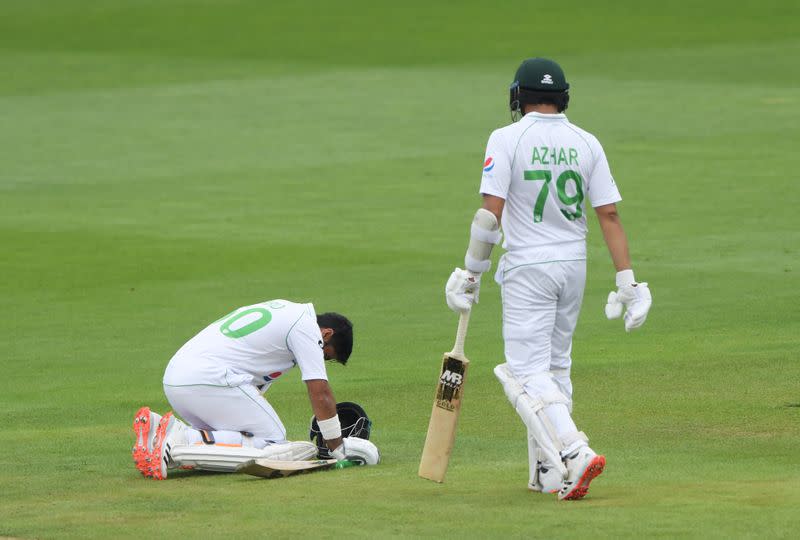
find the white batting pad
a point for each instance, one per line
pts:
(290, 451)
(210, 457)
(531, 411)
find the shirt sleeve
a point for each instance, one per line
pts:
(496, 177)
(601, 187)
(305, 342)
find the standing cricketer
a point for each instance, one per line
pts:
(537, 174)
(216, 383)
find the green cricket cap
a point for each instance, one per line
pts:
(541, 74)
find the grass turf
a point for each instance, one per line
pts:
(164, 162)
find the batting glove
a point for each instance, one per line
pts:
(634, 297)
(359, 451)
(462, 290)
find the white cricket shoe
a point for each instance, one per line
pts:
(145, 426)
(583, 466)
(171, 432)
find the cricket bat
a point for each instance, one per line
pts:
(446, 408)
(274, 468)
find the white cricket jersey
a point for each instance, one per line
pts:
(544, 167)
(253, 344)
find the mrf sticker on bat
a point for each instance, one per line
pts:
(450, 382)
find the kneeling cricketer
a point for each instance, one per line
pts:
(216, 384)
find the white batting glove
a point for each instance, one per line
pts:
(634, 297)
(359, 451)
(462, 290)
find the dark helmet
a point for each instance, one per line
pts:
(354, 421)
(538, 80)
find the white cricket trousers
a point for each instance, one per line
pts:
(227, 408)
(541, 303)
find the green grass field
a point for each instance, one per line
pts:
(162, 162)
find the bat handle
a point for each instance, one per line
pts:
(461, 334)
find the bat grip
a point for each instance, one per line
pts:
(461, 334)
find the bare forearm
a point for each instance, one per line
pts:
(615, 238)
(323, 404)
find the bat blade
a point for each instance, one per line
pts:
(273, 468)
(444, 417)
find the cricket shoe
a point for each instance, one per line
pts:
(583, 466)
(145, 426)
(171, 432)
